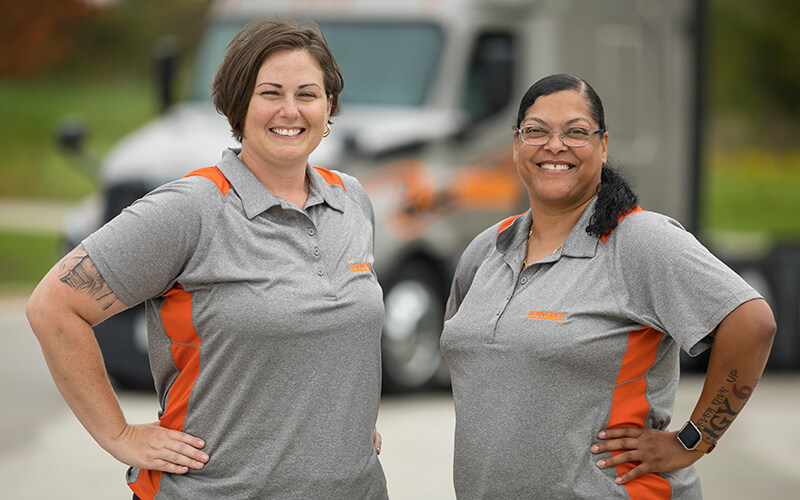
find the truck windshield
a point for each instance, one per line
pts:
(383, 63)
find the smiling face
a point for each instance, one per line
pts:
(557, 175)
(288, 111)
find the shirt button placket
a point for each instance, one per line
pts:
(317, 252)
(520, 280)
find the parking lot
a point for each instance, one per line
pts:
(45, 453)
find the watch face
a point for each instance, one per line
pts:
(689, 436)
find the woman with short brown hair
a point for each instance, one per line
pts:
(264, 313)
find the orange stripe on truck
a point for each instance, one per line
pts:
(490, 182)
(176, 315)
(629, 407)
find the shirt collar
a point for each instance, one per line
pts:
(579, 243)
(256, 199)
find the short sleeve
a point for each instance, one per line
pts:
(142, 251)
(669, 281)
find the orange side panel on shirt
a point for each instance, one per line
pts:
(176, 315)
(329, 176)
(214, 175)
(629, 407)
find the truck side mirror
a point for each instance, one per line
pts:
(71, 138)
(71, 134)
(165, 57)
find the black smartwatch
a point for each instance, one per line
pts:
(690, 438)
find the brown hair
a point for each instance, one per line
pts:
(258, 40)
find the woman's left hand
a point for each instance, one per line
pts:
(377, 440)
(648, 450)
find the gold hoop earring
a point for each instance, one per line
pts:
(327, 130)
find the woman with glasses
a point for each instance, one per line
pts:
(564, 326)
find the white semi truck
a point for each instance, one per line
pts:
(431, 91)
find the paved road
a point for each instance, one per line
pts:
(33, 216)
(45, 454)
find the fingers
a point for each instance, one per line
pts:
(184, 455)
(153, 447)
(631, 474)
(377, 440)
(620, 433)
(180, 451)
(643, 450)
(186, 445)
(617, 439)
(621, 458)
(630, 456)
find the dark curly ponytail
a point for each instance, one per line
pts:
(615, 198)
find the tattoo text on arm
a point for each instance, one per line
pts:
(725, 406)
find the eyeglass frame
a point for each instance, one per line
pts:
(518, 130)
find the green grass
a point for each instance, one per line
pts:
(33, 166)
(25, 257)
(754, 192)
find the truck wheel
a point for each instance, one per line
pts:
(123, 342)
(414, 305)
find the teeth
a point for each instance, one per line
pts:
(552, 166)
(288, 132)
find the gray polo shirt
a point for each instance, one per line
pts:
(588, 338)
(264, 326)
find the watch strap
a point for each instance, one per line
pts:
(705, 447)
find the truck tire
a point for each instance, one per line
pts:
(414, 301)
(123, 342)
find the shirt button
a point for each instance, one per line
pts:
(311, 231)
(316, 251)
(523, 280)
(320, 272)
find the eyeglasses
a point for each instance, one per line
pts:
(574, 137)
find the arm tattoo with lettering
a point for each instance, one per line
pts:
(716, 419)
(84, 277)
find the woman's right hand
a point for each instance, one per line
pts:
(152, 447)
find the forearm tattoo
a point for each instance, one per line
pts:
(79, 273)
(726, 405)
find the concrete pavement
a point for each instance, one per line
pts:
(33, 216)
(45, 453)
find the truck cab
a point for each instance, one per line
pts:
(430, 96)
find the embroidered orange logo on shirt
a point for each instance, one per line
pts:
(550, 316)
(360, 267)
